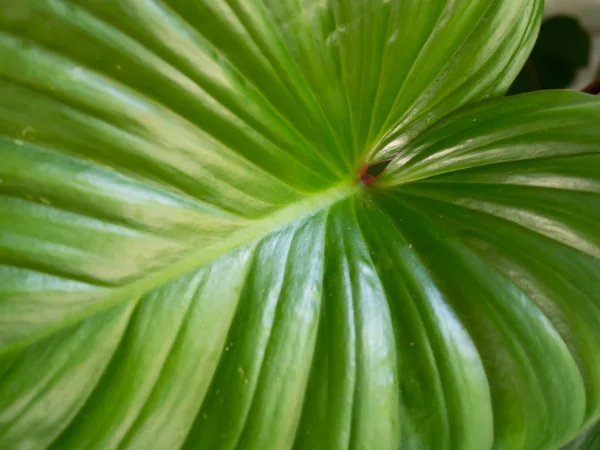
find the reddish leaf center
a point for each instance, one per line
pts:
(369, 173)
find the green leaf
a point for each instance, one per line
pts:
(516, 184)
(188, 259)
(588, 440)
(563, 47)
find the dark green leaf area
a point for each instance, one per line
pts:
(588, 440)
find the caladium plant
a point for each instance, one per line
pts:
(273, 224)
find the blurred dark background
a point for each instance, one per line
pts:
(567, 52)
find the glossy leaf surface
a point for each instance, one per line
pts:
(187, 259)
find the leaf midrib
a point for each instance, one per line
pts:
(253, 233)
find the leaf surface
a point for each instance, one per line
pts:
(187, 259)
(588, 440)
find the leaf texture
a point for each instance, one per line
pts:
(151, 132)
(588, 440)
(188, 261)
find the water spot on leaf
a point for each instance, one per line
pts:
(28, 132)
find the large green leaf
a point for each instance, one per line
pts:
(187, 258)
